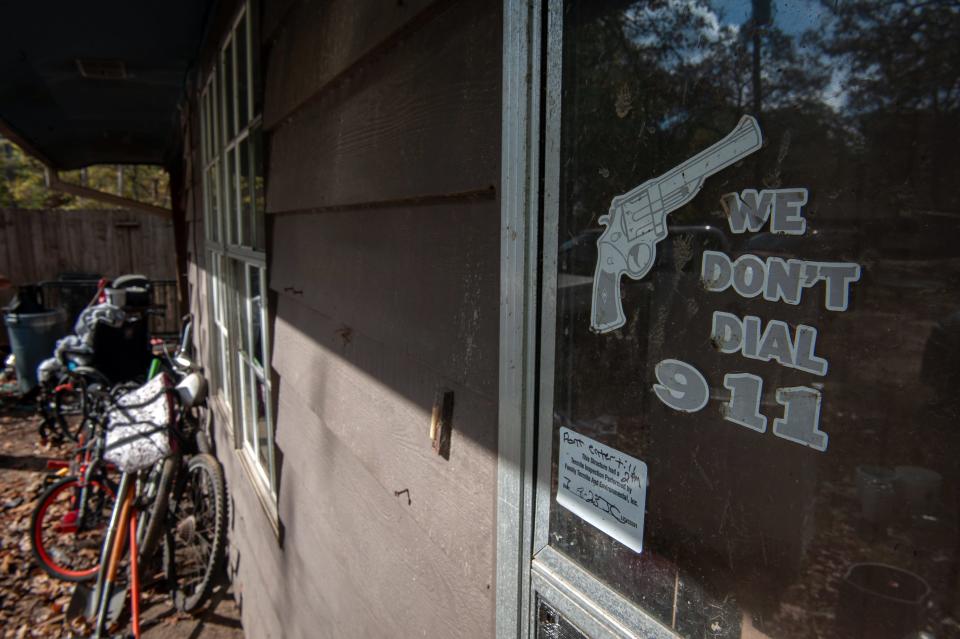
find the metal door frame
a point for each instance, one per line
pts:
(527, 566)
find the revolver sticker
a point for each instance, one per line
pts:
(636, 221)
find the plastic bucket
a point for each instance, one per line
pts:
(878, 601)
(33, 337)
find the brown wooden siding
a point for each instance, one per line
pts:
(417, 121)
(422, 280)
(322, 40)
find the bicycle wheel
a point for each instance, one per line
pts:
(155, 486)
(195, 542)
(64, 546)
(70, 408)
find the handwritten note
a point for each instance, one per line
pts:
(603, 486)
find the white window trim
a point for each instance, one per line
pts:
(230, 263)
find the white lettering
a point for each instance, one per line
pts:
(801, 417)
(787, 215)
(727, 333)
(715, 271)
(749, 274)
(682, 387)
(744, 405)
(776, 344)
(750, 210)
(730, 334)
(747, 210)
(779, 279)
(838, 276)
(783, 280)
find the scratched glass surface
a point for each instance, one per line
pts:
(840, 521)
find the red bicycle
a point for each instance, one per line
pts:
(70, 518)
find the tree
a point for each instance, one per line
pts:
(23, 185)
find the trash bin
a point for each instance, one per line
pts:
(73, 292)
(33, 331)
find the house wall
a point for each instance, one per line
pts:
(382, 132)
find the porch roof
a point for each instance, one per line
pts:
(91, 83)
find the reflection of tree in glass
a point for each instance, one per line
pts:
(659, 80)
(662, 80)
(898, 55)
(898, 61)
(860, 105)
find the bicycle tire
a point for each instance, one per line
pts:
(50, 524)
(153, 518)
(195, 543)
(71, 403)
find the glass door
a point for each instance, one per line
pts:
(750, 375)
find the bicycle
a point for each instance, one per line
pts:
(168, 488)
(69, 519)
(189, 504)
(58, 405)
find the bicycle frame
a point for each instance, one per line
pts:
(144, 533)
(120, 521)
(140, 511)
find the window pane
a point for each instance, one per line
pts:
(249, 401)
(218, 295)
(213, 202)
(214, 369)
(260, 347)
(256, 81)
(214, 118)
(246, 194)
(243, 74)
(207, 219)
(700, 297)
(262, 423)
(214, 335)
(208, 125)
(226, 387)
(214, 263)
(216, 200)
(243, 305)
(230, 195)
(227, 94)
(259, 202)
(256, 315)
(204, 129)
(211, 122)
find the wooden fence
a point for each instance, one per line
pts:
(38, 245)
(66, 251)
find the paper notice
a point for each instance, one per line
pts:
(603, 486)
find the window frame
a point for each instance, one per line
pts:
(527, 566)
(230, 206)
(572, 590)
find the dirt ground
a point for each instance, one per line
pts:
(33, 604)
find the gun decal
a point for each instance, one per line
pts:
(636, 221)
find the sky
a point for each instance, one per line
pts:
(792, 16)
